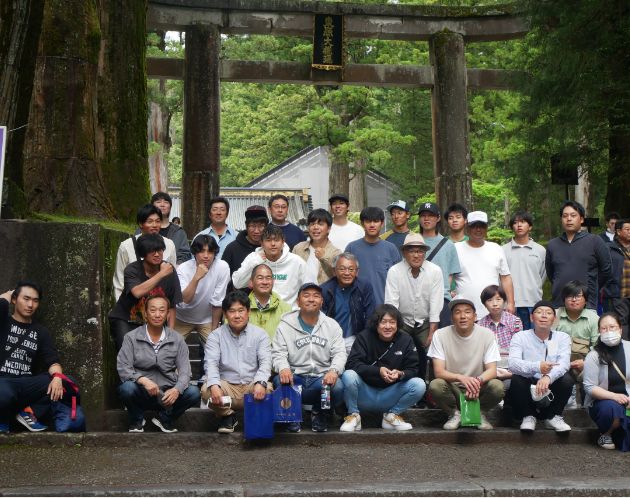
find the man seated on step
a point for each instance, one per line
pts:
(309, 350)
(540, 357)
(154, 368)
(238, 362)
(465, 358)
(29, 361)
(382, 372)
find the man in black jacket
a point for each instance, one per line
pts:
(164, 203)
(577, 255)
(381, 372)
(248, 240)
(616, 293)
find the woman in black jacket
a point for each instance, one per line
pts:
(381, 372)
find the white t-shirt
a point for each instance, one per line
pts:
(210, 291)
(480, 267)
(312, 267)
(341, 236)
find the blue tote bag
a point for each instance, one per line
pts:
(287, 404)
(258, 417)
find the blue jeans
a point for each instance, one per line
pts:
(396, 398)
(312, 389)
(523, 313)
(137, 400)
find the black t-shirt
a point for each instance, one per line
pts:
(130, 309)
(27, 348)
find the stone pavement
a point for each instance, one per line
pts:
(426, 461)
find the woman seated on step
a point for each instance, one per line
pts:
(606, 371)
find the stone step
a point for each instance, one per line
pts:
(202, 420)
(153, 439)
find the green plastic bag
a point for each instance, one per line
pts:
(470, 410)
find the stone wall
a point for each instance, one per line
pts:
(74, 263)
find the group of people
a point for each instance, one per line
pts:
(374, 316)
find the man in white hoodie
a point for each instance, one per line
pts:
(288, 269)
(308, 350)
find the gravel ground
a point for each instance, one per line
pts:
(102, 466)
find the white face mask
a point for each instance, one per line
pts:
(610, 338)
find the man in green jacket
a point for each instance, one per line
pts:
(266, 307)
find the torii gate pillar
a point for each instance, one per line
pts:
(449, 107)
(202, 114)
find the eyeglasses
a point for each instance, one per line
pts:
(346, 269)
(575, 298)
(612, 328)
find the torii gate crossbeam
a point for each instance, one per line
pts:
(446, 28)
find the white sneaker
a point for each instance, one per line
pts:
(528, 424)
(453, 422)
(396, 422)
(351, 423)
(485, 425)
(557, 424)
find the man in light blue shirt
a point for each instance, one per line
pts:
(238, 361)
(219, 230)
(441, 252)
(540, 357)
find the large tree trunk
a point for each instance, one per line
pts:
(122, 105)
(159, 141)
(338, 176)
(358, 192)
(20, 24)
(61, 171)
(86, 146)
(618, 194)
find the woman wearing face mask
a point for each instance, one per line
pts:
(606, 370)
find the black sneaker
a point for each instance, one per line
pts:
(319, 422)
(294, 427)
(227, 424)
(163, 425)
(138, 426)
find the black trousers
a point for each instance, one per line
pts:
(16, 393)
(418, 334)
(520, 397)
(119, 329)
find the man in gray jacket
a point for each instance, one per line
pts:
(154, 369)
(309, 350)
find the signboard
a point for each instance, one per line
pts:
(328, 42)
(3, 147)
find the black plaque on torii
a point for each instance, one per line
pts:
(327, 42)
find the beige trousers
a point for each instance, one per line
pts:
(236, 391)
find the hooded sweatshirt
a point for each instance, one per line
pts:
(288, 273)
(308, 354)
(369, 353)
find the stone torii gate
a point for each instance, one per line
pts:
(447, 29)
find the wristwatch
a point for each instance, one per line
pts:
(262, 383)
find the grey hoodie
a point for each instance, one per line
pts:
(308, 354)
